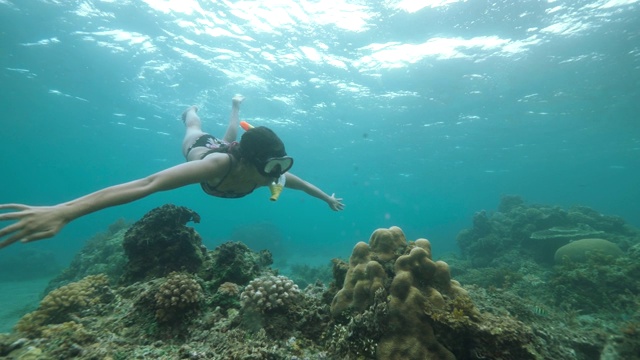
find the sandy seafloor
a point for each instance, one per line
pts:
(18, 298)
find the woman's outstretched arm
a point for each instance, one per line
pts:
(294, 182)
(40, 222)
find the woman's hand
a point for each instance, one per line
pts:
(33, 223)
(335, 203)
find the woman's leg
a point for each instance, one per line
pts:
(234, 120)
(193, 126)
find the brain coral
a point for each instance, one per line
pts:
(578, 250)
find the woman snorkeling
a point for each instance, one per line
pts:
(223, 167)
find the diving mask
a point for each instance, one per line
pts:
(275, 166)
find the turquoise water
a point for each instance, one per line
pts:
(417, 113)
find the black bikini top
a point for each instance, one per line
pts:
(213, 190)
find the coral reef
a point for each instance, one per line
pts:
(160, 243)
(598, 283)
(392, 300)
(227, 296)
(536, 232)
(304, 274)
(580, 301)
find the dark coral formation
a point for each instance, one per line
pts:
(234, 262)
(161, 243)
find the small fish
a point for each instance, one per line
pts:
(539, 310)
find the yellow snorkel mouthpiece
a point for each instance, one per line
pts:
(276, 187)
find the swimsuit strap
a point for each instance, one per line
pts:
(213, 190)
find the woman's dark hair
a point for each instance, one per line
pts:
(259, 144)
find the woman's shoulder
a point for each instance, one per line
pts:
(215, 165)
(217, 158)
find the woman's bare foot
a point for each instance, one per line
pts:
(237, 100)
(186, 112)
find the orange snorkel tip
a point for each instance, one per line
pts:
(245, 125)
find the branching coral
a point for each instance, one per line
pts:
(268, 292)
(179, 294)
(58, 306)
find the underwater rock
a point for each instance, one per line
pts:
(579, 250)
(161, 243)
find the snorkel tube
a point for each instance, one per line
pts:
(245, 125)
(276, 187)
